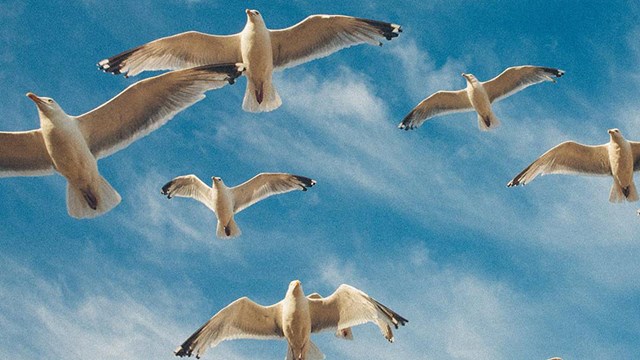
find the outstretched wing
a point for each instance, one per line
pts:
(179, 51)
(189, 186)
(567, 158)
(321, 35)
(149, 104)
(242, 319)
(348, 307)
(516, 78)
(264, 185)
(440, 103)
(23, 153)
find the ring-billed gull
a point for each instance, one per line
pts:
(225, 201)
(479, 96)
(619, 158)
(71, 145)
(261, 49)
(294, 318)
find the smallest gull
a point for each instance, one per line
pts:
(479, 96)
(619, 158)
(225, 202)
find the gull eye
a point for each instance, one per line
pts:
(50, 101)
(257, 12)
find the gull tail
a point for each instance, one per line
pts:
(260, 97)
(97, 199)
(620, 194)
(313, 353)
(488, 122)
(228, 231)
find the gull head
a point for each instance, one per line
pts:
(254, 16)
(468, 77)
(295, 288)
(45, 105)
(615, 134)
(217, 180)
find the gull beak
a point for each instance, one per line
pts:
(35, 98)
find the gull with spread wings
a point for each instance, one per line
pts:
(619, 159)
(71, 145)
(225, 201)
(479, 96)
(294, 318)
(261, 49)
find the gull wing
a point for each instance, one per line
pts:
(23, 153)
(264, 185)
(440, 103)
(516, 78)
(242, 319)
(149, 104)
(189, 186)
(179, 51)
(567, 158)
(318, 36)
(348, 307)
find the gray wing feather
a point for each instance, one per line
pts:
(567, 158)
(635, 148)
(23, 153)
(149, 104)
(189, 186)
(321, 35)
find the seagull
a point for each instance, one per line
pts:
(294, 318)
(261, 49)
(619, 158)
(71, 145)
(479, 96)
(225, 202)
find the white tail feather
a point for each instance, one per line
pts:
(313, 353)
(106, 199)
(493, 120)
(232, 229)
(617, 195)
(270, 98)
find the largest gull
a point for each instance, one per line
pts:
(261, 49)
(72, 144)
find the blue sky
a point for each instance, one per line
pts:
(420, 220)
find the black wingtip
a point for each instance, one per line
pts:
(387, 30)
(305, 182)
(553, 71)
(165, 189)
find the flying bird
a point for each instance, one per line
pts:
(619, 158)
(479, 96)
(71, 145)
(294, 318)
(225, 201)
(261, 49)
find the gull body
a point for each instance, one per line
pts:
(73, 159)
(619, 158)
(72, 145)
(261, 49)
(478, 96)
(225, 201)
(294, 319)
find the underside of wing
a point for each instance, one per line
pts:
(149, 104)
(189, 186)
(517, 78)
(440, 103)
(179, 51)
(264, 185)
(348, 307)
(567, 158)
(242, 319)
(23, 153)
(321, 35)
